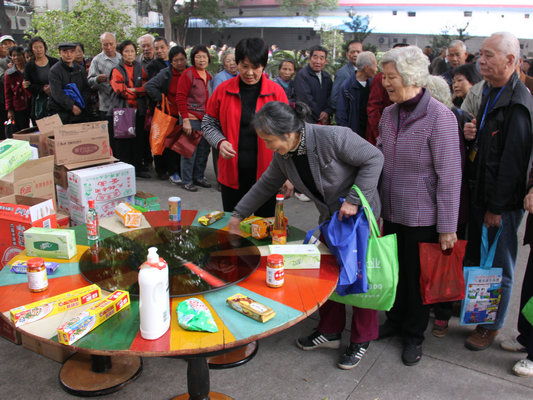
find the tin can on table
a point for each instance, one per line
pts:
(174, 209)
(275, 271)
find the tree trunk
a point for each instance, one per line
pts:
(5, 21)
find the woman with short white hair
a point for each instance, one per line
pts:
(420, 185)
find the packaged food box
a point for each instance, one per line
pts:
(298, 256)
(102, 183)
(12, 154)
(262, 228)
(251, 308)
(21, 267)
(104, 209)
(94, 316)
(246, 223)
(54, 305)
(129, 215)
(148, 201)
(50, 243)
(211, 218)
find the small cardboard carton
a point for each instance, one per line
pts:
(37, 136)
(50, 243)
(76, 143)
(147, 200)
(13, 153)
(17, 214)
(102, 183)
(34, 178)
(104, 209)
(61, 171)
(298, 256)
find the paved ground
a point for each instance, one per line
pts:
(281, 371)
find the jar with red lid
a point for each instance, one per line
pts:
(37, 276)
(275, 271)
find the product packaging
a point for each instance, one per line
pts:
(211, 218)
(251, 308)
(50, 243)
(298, 256)
(194, 315)
(129, 215)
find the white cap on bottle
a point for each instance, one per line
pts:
(153, 257)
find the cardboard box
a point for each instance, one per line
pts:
(62, 199)
(147, 200)
(50, 243)
(13, 153)
(298, 256)
(104, 209)
(61, 171)
(8, 331)
(63, 220)
(102, 183)
(37, 136)
(52, 350)
(18, 213)
(81, 142)
(34, 178)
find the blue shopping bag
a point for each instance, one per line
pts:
(483, 285)
(348, 241)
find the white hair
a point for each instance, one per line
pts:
(227, 52)
(508, 44)
(103, 35)
(146, 36)
(410, 62)
(365, 58)
(455, 43)
(438, 89)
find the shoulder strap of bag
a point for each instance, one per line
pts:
(374, 229)
(487, 254)
(164, 104)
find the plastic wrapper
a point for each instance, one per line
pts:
(193, 315)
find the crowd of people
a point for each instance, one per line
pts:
(438, 145)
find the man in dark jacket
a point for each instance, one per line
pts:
(312, 86)
(161, 60)
(499, 156)
(65, 77)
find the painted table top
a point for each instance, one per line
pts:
(303, 292)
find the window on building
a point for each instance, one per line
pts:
(468, 13)
(411, 13)
(394, 40)
(394, 12)
(526, 16)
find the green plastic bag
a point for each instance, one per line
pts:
(527, 311)
(381, 268)
(194, 315)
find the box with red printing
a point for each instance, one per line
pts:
(18, 213)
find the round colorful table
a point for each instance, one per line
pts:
(115, 347)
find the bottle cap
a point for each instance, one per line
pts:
(279, 196)
(91, 203)
(275, 259)
(35, 262)
(153, 257)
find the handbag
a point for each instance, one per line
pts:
(381, 268)
(124, 122)
(162, 125)
(441, 272)
(186, 144)
(527, 311)
(483, 285)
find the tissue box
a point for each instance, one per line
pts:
(54, 305)
(50, 243)
(12, 154)
(298, 256)
(85, 322)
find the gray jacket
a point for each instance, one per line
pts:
(338, 158)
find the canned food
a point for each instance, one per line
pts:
(174, 209)
(275, 271)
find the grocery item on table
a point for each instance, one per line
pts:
(92, 222)
(246, 223)
(279, 229)
(275, 271)
(37, 276)
(54, 305)
(194, 315)
(94, 316)
(251, 308)
(50, 243)
(211, 218)
(174, 209)
(298, 256)
(20, 267)
(154, 298)
(129, 215)
(262, 228)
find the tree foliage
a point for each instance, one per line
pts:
(358, 25)
(439, 42)
(309, 8)
(87, 20)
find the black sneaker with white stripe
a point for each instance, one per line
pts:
(353, 354)
(318, 340)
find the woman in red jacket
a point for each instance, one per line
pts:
(192, 98)
(18, 99)
(227, 125)
(127, 80)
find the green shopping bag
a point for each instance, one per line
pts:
(527, 311)
(381, 268)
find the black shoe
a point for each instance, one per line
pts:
(411, 354)
(318, 340)
(143, 174)
(203, 183)
(163, 176)
(387, 330)
(190, 187)
(353, 354)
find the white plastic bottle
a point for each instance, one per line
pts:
(154, 299)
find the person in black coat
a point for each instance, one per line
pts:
(71, 108)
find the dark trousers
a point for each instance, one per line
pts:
(22, 120)
(230, 196)
(364, 328)
(129, 150)
(408, 314)
(525, 330)
(168, 162)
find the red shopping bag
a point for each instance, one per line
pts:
(441, 273)
(186, 144)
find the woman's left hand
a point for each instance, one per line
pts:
(234, 226)
(447, 240)
(287, 189)
(347, 210)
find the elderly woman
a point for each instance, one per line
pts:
(464, 77)
(420, 185)
(323, 162)
(17, 99)
(227, 125)
(230, 68)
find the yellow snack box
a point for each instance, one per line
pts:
(251, 308)
(211, 218)
(54, 305)
(246, 223)
(89, 319)
(129, 215)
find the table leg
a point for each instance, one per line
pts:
(88, 376)
(234, 358)
(198, 382)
